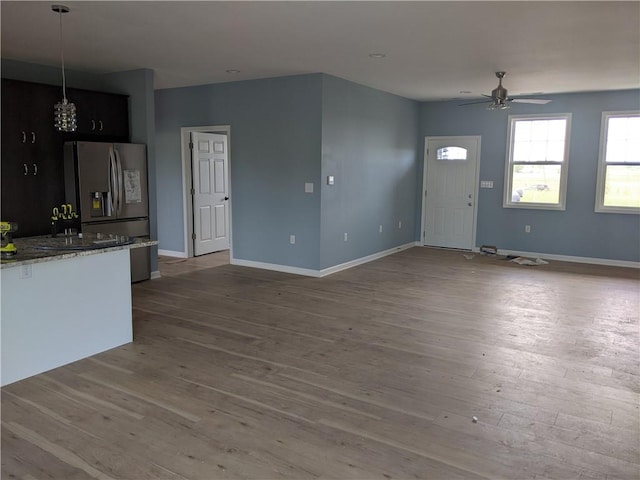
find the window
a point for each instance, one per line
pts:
(451, 153)
(537, 157)
(618, 187)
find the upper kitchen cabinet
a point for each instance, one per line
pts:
(31, 155)
(29, 107)
(101, 116)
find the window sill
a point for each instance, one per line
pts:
(534, 206)
(623, 210)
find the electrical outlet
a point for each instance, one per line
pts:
(308, 188)
(527, 229)
(292, 239)
(380, 228)
(346, 236)
(399, 224)
(25, 271)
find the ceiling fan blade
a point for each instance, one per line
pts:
(474, 103)
(537, 101)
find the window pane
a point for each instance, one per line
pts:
(555, 151)
(539, 140)
(451, 153)
(521, 152)
(623, 140)
(557, 130)
(522, 131)
(621, 128)
(622, 186)
(536, 183)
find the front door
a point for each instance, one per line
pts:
(450, 183)
(210, 165)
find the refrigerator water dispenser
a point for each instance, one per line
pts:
(100, 204)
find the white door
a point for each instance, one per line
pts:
(210, 165)
(450, 182)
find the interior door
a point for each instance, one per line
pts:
(450, 181)
(210, 169)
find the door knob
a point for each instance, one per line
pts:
(470, 204)
(226, 198)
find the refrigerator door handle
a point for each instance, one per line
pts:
(120, 181)
(113, 182)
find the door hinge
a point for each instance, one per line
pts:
(193, 236)
(193, 191)
(191, 145)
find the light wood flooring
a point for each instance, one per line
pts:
(371, 373)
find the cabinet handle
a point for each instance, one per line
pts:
(99, 125)
(24, 137)
(35, 169)
(26, 169)
(93, 125)
(33, 137)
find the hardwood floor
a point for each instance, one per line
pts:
(373, 372)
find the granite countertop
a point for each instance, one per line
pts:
(45, 248)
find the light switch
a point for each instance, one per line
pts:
(331, 180)
(486, 183)
(308, 188)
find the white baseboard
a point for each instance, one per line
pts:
(155, 274)
(369, 258)
(172, 253)
(569, 258)
(275, 267)
(326, 271)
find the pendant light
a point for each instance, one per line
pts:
(64, 112)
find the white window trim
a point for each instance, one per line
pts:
(600, 207)
(564, 168)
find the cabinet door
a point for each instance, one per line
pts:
(14, 152)
(101, 116)
(85, 112)
(32, 175)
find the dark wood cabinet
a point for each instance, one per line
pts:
(31, 156)
(101, 114)
(32, 163)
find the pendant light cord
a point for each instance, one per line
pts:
(64, 82)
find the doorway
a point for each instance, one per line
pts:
(449, 207)
(206, 176)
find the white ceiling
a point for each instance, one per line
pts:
(434, 50)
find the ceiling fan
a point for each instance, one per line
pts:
(499, 99)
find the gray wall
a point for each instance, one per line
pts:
(369, 143)
(275, 149)
(577, 231)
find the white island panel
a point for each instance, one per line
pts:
(56, 312)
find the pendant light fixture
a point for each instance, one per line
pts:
(64, 112)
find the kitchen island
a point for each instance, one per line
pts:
(64, 299)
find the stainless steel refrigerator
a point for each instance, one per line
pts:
(107, 184)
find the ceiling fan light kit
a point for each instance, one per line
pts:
(499, 100)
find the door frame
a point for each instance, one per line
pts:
(187, 182)
(423, 223)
